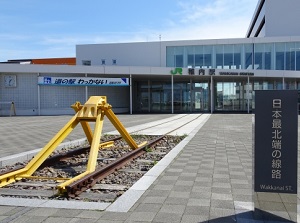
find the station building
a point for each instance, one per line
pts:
(218, 75)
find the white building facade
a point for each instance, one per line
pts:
(218, 75)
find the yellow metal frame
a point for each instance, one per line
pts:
(93, 110)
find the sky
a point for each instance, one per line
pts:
(53, 28)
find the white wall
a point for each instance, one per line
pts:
(282, 18)
(133, 54)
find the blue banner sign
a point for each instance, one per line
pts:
(82, 81)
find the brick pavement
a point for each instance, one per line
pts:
(209, 181)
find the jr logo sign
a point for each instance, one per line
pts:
(177, 70)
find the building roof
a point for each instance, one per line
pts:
(50, 61)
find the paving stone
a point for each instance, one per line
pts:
(204, 194)
(176, 200)
(198, 202)
(167, 217)
(42, 212)
(147, 208)
(172, 208)
(66, 212)
(186, 218)
(203, 183)
(57, 219)
(197, 210)
(220, 212)
(163, 187)
(119, 216)
(108, 221)
(85, 220)
(172, 178)
(218, 190)
(142, 216)
(154, 200)
(166, 182)
(90, 214)
(179, 194)
(28, 219)
(225, 204)
(186, 178)
(9, 210)
(157, 193)
(184, 183)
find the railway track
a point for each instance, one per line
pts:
(118, 168)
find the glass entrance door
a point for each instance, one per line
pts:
(231, 96)
(225, 96)
(156, 97)
(200, 97)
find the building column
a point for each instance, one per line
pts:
(130, 94)
(211, 94)
(248, 95)
(191, 95)
(39, 97)
(149, 96)
(172, 93)
(86, 90)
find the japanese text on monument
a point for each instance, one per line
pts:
(276, 139)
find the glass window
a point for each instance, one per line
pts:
(290, 56)
(228, 57)
(258, 56)
(199, 56)
(278, 85)
(248, 56)
(181, 96)
(179, 56)
(207, 56)
(190, 59)
(237, 57)
(142, 97)
(170, 56)
(103, 62)
(219, 56)
(268, 56)
(178, 60)
(297, 52)
(190, 56)
(86, 62)
(290, 84)
(279, 49)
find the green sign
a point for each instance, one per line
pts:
(177, 70)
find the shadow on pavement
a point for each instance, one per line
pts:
(258, 216)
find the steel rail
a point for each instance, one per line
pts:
(79, 186)
(69, 153)
(59, 157)
(91, 179)
(74, 152)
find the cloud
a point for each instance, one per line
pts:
(213, 19)
(190, 20)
